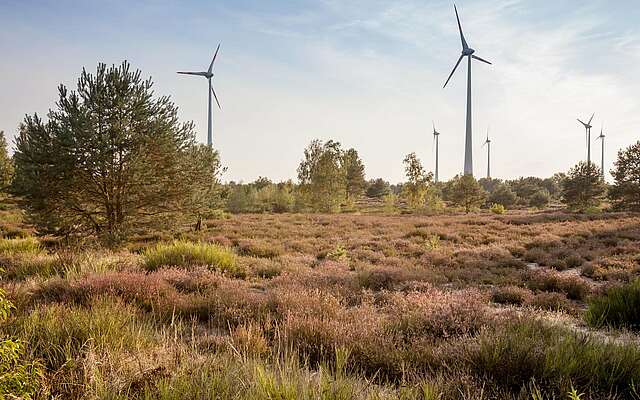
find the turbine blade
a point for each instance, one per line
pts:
(193, 73)
(215, 97)
(214, 59)
(579, 120)
(591, 119)
(480, 59)
(434, 126)
(452, 72)
(464, 42)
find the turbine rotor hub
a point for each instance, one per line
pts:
(468, 51)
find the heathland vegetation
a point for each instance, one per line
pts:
(129, 270)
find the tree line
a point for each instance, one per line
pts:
(112, 158)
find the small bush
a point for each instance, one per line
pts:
(550, 302)
(186, 254)
(498, 209)
(618, 307)
(511, 295)
(260, 249)
(338, 254)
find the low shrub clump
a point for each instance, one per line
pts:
(619, 307)
(511, 295)
(498, 209)
(186, 254)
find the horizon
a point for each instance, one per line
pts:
(288, 73)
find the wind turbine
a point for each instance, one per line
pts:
(469, 53)
(208, 74)
(587, 127)
(436, 135)
(488, 144)
(601, 137)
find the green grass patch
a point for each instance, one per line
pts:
(60, 334)
(185, 254)
(14, 246)
(619, 307)
(530, 350)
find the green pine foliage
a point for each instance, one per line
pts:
(112, 155)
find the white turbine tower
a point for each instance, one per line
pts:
(436, 141)
(587, 127)
(488, 144)
(208, 74)
(469, 53)
(601, 137)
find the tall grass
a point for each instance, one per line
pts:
(61, 334)
(517, 353)
(185, 254)
(15, 246)
(619, 307)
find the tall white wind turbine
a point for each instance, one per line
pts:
(601, 137)
(587, 127)
(436, 141)
(488, 144)
(208, 74)
(469, 53)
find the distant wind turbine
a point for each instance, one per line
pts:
(601, 137)
(469, 53)
(587, 127)
(208, 74)
(436, 135)
(488, 144)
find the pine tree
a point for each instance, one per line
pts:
(625, 192)
(354, 174)
(466, 192)
(583, 187)
(112, 156)
(6, 164)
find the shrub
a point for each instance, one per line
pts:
(498, 209)
(260, 249)
(550, 302)
(539, 199)
(511, 295)
(338, 254)
(186, 254)
(618, 307)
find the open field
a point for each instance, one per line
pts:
(330, 306)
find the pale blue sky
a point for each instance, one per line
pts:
(366, 73)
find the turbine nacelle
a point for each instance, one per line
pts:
(468, 51)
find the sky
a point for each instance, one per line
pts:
(367, 73)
